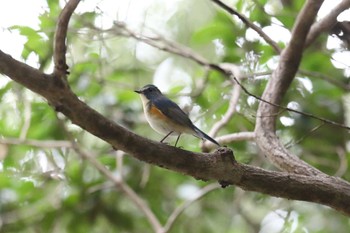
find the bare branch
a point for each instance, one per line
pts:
(236, 91)
(343, 162)
(276, 88)
(326, 23)
(27, 118)
(179, 210)
(36, 143)
(249, 24)
(159, 42)
(229, 138)
(61, 36)
(291, 144)
(342, 85)
(118, 182)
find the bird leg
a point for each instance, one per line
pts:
(166, 136)
(178, 137)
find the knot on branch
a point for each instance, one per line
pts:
(61, 69)
(226, 158)
(226, 154)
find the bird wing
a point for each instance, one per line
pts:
(172, 111)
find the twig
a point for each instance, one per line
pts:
(249, 24)
(119, 160)
(234, 137)
(36, 143)
(141, 204)
(146, 171)
(118, 182)
(159, 42)
(179, 210)
(331, 80)
(229, 138)
(60, 48)
(238, 203)
(27, 117)
(289, 145)
(343, 162)
(201, 85)
(236, 90)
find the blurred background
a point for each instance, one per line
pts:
(115, 47)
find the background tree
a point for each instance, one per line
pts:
(263, 77)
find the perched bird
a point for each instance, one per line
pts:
(166, 117)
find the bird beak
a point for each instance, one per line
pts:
(138, 91)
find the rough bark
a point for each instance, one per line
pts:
(275, 90)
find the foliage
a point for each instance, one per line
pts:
(54, 190)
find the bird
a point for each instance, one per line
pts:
(166, 117)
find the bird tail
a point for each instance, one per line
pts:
(203, 135)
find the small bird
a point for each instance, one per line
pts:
(166, 117)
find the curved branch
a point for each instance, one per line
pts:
(118, 182)
(179, 210)
(326, 23)
(235, 93)
(276, 88)
(60, 48)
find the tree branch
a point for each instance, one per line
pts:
(326, 23)
(36, 143)
(178, 211)
(229, 138)
(118, 182)
(61, 37)
(276, 88)
(249, 24)
(235, 93)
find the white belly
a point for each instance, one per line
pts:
(160, 126)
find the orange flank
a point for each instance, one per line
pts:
(155, 112)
